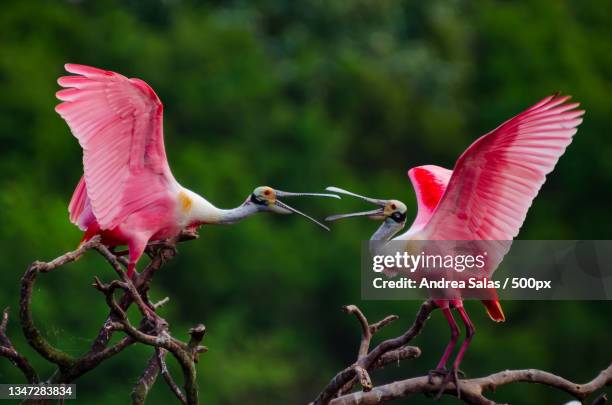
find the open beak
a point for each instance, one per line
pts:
(283, 194)
(377, 213)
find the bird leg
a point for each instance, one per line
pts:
(452, 376)
(469, 334)
(441, 370)
(136, 248)
(131, 270)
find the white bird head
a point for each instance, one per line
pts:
(392, 212)
(267, 199)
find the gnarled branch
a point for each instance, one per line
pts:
(471, 390)
(152, 330)
(388, 350)
(8, 350)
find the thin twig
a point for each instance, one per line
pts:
(8, 350)
(366, 334)
(145, 381)
(601, 399)
(161, 360)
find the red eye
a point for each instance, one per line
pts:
(267, 192)
(393, 206)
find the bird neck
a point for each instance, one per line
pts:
(199, 211)
(386, 231)
(233, 215)
(379, 242)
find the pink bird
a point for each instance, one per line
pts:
(128, 194)
(485, 197)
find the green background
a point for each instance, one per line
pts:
(300, 96)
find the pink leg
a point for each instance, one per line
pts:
(469, 334)
(453, 339)
(136, 248)
(440, 370)
(452, 374)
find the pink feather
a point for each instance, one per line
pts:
(496, 179)
(118, 122)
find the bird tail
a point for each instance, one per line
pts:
(494, 310)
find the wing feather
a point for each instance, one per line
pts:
(496, 179)
(119, 124)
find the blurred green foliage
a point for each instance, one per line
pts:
(301, 95)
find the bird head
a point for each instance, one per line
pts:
(267, 199)
(391, 212)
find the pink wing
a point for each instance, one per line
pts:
(80, 206)
(429, 183)
(118, 122)
(496, 179)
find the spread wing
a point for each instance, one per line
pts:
(118, 123)
(496, 179)
(429, 183)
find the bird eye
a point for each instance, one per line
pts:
(257, 200)
(398, 216)
(267, 192)
(393, 206)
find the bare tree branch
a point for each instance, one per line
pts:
(185, 353)
(145, 381)
(32, 334)
(160, 253)
(8, 350)
(367, 332)
(152, 330)
(161, 361)
(343, 381)
(472, 390)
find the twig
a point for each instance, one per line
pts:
(395, 356)
(161, 303)
(601, 399)
(367, 332)
(343, 381)
(8, 350)
(161, 360)
(145, 381)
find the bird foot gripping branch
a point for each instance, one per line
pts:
(447, 377)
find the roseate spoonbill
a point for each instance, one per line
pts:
(485, 197)
(128, 194)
